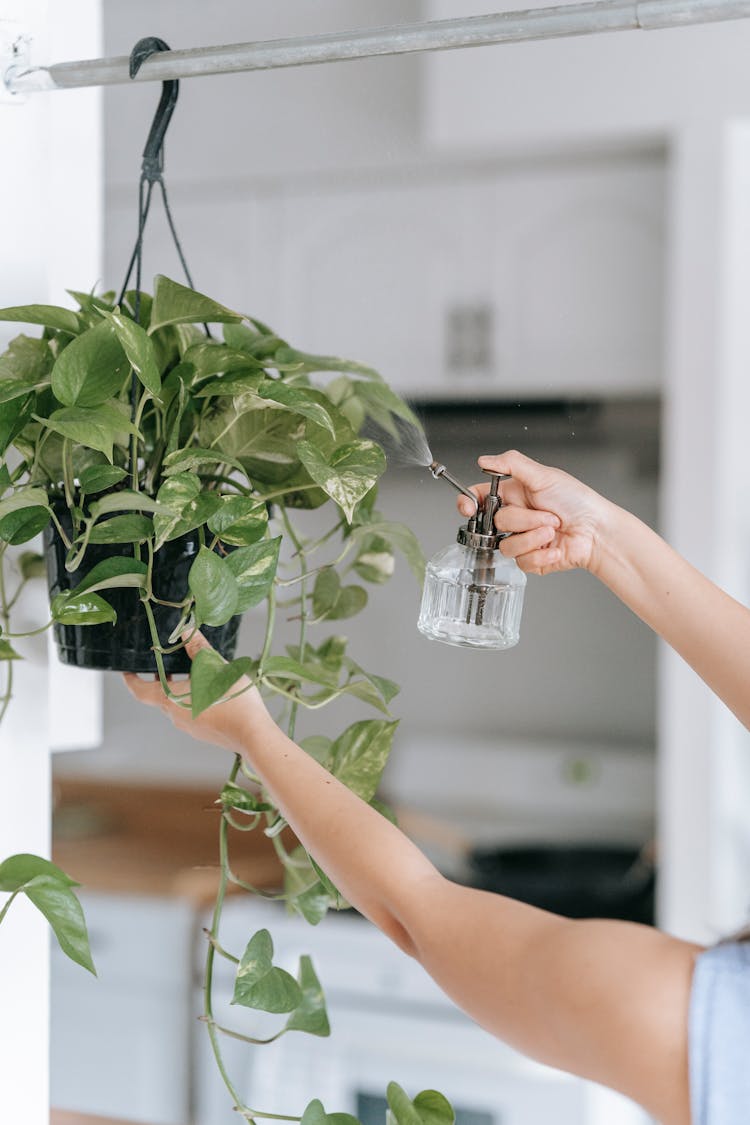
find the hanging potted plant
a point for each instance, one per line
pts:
(164, 465)
(155, 504)
(175, 504)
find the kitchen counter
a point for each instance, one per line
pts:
(152, 840)
(63, 1117)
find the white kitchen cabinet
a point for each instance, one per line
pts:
(578, 278)
(535, 281)
(376, 273)
(120, 1041)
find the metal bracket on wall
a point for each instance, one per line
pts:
(15, 56)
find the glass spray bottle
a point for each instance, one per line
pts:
(473, 595)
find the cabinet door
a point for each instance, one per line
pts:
(381, 276)
(578, 278)
(543, 280)
(120, 1041)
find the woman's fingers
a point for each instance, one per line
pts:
(194, 641)
(151, 691)
(540, 562)
(147, 691)
(522, 543)
(465, 506)
(515, 519)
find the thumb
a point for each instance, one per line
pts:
(194, 641)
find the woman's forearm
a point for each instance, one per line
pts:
(707, 627)
(374, 865)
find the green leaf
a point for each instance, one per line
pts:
(125, 501)
(385, 688)
(262, 437)
(298, 400)
(211, 678)
(122, 529)
(32, 565)
(173, 496)
(139, 349)
(333, 602)
(312, 903)
(236, 385)
(62, 910)
(184, 506)
(81, 609)
(51, 316)
(351, 600)
(260, 344)
(17, 870)
(176, 304)
(311, 1015)
(89, 303)
(316, 1115)
(428, 1108)
(378, 397)
(319, 747)
(375, 562)
(359, 755)
(27, 360)
(259, 984)
(24, 498)
(98, 477)
(19, 527)
(234, 796)
(114, 572)
(254, 569)
(211, 358)
(287, 355)
(399, 536)
(11, 389)
(347, 474)
(14, 417)
(287, 668)
(98, 427)
(335, 897)
(182, 460)
(49, 888)
(7, 652)
(91, 369)
(325, 592)
(214, 588)
(239, 520)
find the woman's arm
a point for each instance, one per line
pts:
(560, 523)
(604, 1000)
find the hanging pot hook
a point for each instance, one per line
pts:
(153, 153)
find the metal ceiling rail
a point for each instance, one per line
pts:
(475, 31)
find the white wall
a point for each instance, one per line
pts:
(232, 135)
(50, 216)
(596, 89)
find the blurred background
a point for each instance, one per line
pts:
(532, 243)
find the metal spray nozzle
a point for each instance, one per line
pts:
(481, 526)
(439, 471)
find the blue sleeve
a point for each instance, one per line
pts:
(719, 1036)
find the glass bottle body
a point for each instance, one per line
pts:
(473, 597)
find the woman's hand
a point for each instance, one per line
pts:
(557, 522)
(227, 723)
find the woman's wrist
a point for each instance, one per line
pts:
(617, 543)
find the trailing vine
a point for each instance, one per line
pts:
(126, 428)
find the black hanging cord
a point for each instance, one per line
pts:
(152, 167)
(152, 172)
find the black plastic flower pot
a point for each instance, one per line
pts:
(126, 646)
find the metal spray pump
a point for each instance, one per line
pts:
(473, 595)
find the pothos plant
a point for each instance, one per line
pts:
(127, 429)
